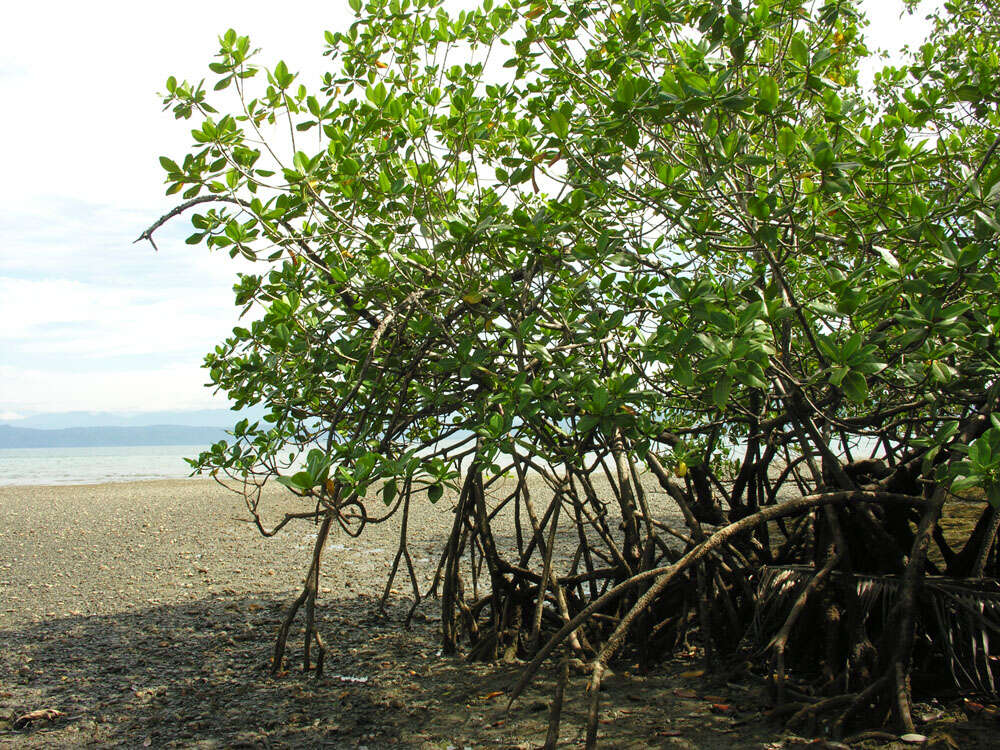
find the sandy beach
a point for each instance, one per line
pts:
(145, 613)
(105, 549)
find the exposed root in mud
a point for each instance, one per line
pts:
(308, 597)
(596, 571)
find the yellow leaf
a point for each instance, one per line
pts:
(472, 298)
(536, 11)
(381, 65)
(694, 673)
(490, 696)
(682, 469)
(330, 486)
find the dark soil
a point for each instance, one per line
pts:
(197, 675)
(146, 614)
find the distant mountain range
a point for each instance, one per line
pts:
(78, 437)
(105, 429)
(224, 418)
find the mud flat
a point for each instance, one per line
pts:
(144, 613)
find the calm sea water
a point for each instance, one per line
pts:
(94, 465)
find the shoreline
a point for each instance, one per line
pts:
(145, 611)
(104, 483)
(94, 465)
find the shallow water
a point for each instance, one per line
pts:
(94, 465)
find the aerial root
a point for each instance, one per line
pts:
(555, 712)
(594, 713)
(780, 642)
(308, 597)
(808, 716)
(402, 553)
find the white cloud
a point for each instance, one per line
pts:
(91, 321)
(86, 83)
(91, 123)
(891, 30)
(79, 301)
(177, 386)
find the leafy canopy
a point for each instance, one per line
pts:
(550, 226)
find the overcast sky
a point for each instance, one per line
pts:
(89, 320)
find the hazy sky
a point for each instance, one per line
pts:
(89, 320)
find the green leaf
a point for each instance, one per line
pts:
(720, 393)
(683, 373)
(838, 373)
(389, 491)
(851, 347)
(787, 141)
(434, 492)
(940, 372)
(969, 93)
(281, 75)
(798, 50)
(301, 480)
(752, 375)
(559, 125)
(855, 387)
(381, 269)
(888, 257)
(964, 484)
(377, 94)
(767, 94)
(625, 92)
(759, 208)
(350, 166)
(601, 397)
(870, 367)
(823, 156)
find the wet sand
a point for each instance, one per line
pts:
(145, 613)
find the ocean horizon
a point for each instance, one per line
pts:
(95, 464)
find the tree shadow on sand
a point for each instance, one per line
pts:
(198, 674)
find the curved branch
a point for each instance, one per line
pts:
(664, 575)
(346, 297)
